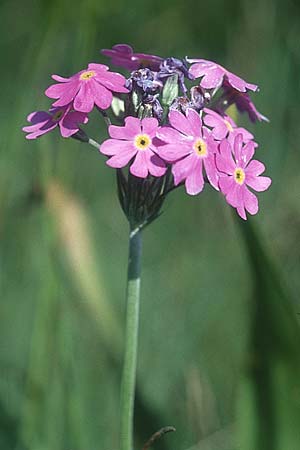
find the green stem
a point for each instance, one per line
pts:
(131, 340)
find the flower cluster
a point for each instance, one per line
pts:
(174, 125)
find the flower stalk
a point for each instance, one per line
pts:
(131, 340)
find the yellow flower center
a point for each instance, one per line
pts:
(142, 141)
(57, 115)
(87, 75)
(228, 125)
(200, 147)
(239, 175)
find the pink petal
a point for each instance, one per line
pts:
(247, 136)
(129, 131)
(38, 117)
(132, 127)
(156, 165)
(36, 126)
(195, 121)
(39, 132)
(139, 167)
(250, 201)
(182, 168)
(259, 184)
(234, 196)
(246, 153)
(200, 67)
(255, 168)
(240, 84)
(114, 147)
(213, 78)
(194, 182)
(69, 124)
(220, 129)
(117, 132)
(241, 212)
(226, 183)
(173, 152)
(224, 160)
(121, 159)
(84, 100)
(236, 82)
(237, 147)
(101, 96)
(170, 135)
(180, 122)
(149, 125)
(67, 95)
(211, 171)
(61, 79)
(99, 68)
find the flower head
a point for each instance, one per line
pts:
(65, 118)
(144, 80)
(243, 103)
(122, 55)
(135, 139)
(238, 172)
(189, 146)
(93, 85)
(224, 126)
(215, 75)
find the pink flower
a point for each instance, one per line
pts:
(135, 139)
(190, 146)
(64, 117)
(122, 55)
(214, 75)
(238, 172)
(93, 85)
(243, 103)
(224, 126)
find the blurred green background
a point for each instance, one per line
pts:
(219, 338)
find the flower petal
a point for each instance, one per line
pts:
(226, 183)
(195, 121)
(101, 96)
(122, 158)
(211, 171)
(259, 184)
(180, 122)
(224, 160)
(170, 135)
(139, 167)
(173, 152)
(156, 165)
(149, 125)
(246, 153)
(195, 182)
(182, 168)
(84, 100)
(250, 201)
(114, 147)
(255, 168)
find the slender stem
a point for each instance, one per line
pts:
(131, 340)
(94, 143)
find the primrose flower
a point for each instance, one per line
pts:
(190, 146)
(215, 75)
(224, 126)
(243, 103)
(65, 118)
(238, 172)
(122, 55)
(93, 85)
(136, 139)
